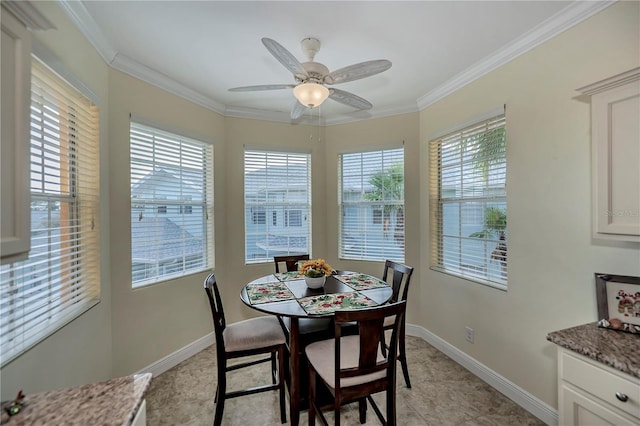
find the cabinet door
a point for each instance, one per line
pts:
(616, 152)
(581, 409)
(615, 139)
(15, 77)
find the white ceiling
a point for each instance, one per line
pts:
(200, 49)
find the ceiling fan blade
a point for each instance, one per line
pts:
(357, 71)
(262, 87)
(285, 57)
(297, 110)
(349, 99)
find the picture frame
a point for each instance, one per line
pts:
(618, 298)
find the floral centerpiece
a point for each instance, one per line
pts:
(315, 268)
(315, 272)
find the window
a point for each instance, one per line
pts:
(171, 205)
(293, 218)
(61, 277)
(258, 216)
(469, 202)
(279, 183)
(371, 190)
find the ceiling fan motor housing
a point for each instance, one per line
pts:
(316, 72)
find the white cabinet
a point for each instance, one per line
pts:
(14, 154)
(615, 139)
(593, 394)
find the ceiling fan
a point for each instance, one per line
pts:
(312, 78)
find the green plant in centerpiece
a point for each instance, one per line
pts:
(315, 268)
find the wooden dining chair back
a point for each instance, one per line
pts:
(290, 262)
(256, 336)
(398, 276)
(354, 367)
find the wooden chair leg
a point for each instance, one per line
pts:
(274, 365)
(403, 358)
(281, 382)
(312, 397)
(362, 407)
(391, 406)
(221, 393)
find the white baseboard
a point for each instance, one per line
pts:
(535, 406)
(180, 355)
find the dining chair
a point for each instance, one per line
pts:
(290, 261)
(400, 277)
(355, 366)
(255, 336)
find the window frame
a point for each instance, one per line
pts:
(60, 278)
(292, 172)
(486, 196)
(388, 158)
(189, 163)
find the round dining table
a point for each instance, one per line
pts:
(287, 295)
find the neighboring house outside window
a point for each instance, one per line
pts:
(171, 205)
(469, 202)
(61, 277)
(371, 190)
(278, 184)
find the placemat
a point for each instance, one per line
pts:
(289, 276)
(268, 292)
(361, 281)
(327, 303)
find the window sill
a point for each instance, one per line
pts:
(471, 278)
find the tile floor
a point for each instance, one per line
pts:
(442, 393)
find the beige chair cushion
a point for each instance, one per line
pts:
(252, 334)
(322, 356)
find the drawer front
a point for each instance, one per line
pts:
(602, 382)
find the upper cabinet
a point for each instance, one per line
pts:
(615, 138)
(17, 19)
(14, 155)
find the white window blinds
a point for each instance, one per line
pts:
(61, 277)
(277, 199)
(469, 202)
(371, 191)
(171, 205)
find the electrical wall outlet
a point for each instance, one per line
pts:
(468, 334)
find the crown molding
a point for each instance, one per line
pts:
(76, 11)
(136, 69)
(571, 15)
(368, 115)
(28, 14)
(611, 82)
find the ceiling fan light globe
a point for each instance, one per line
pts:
(311, 94)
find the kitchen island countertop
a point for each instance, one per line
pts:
(617, 349)
(113, 402)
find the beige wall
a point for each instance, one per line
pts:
(80, 352)
(383, 133)
(153, 321)
(552, 257)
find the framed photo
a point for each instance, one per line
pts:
(618, 298)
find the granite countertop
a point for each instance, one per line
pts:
(617, 349)
(114, 402)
